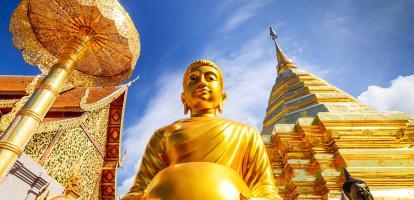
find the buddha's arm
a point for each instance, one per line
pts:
(257, 169)
(153, 161)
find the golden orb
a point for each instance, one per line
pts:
(197, 180)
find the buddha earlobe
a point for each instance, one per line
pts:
(220, 105)
(186, 108)
(220, 108)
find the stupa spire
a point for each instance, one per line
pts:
(283, 62)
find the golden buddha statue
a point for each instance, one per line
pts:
(204, 156)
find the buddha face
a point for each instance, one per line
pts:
(360, 191)
(203, 88)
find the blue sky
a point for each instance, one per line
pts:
(364, 47)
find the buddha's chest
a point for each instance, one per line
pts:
(226, 146)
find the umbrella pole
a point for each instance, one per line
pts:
(15, 138)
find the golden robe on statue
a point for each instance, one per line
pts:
(209, 139)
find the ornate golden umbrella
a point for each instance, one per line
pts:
(86, 42)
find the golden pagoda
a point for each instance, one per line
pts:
(313, 130)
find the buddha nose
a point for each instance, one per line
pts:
(202, 83)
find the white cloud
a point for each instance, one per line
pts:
(338, 27)
(242, 14)
(399, 96)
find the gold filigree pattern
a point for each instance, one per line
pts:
(113, 52)
(62, 124)
(8, 118)
(74, 148)
(91, 172)
(97, 123)
(25, 39)
(39, 143)
(6, 103)
(66, 153)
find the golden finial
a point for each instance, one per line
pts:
(133, 81)
(283, 62)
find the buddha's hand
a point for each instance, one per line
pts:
(134, 196)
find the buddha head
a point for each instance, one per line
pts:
(203, 89)
(356, 189)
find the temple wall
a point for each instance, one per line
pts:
(73, 148)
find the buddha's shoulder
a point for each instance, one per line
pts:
(168, 128)
(161, 131)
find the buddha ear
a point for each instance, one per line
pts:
(223, 99)
(186, 108)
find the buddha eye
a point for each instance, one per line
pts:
(193, 78)
(211, 77)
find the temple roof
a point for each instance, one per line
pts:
(14, 87)
(14, 84)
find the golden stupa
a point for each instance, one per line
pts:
(313, 130)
